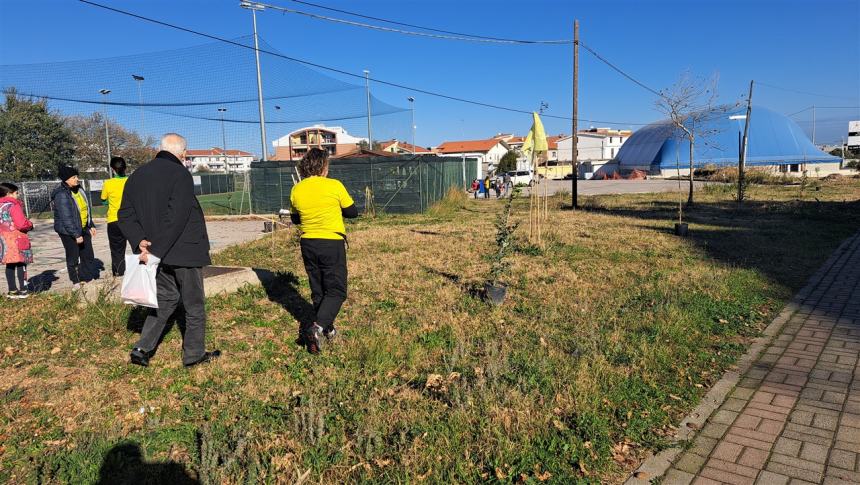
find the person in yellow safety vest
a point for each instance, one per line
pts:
(112, 193)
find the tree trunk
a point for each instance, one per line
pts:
(690, 196)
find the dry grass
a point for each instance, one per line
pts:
(610, 334)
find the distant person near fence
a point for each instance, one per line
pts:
(112, 193)
(162, 219)
(73, 222)
(15, 249)
(318, 206)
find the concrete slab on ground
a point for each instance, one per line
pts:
(48, 271)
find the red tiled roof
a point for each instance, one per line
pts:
(467, 146)
(216, 152)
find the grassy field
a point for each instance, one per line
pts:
(610, 334)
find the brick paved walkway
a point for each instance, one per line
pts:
(794, 418)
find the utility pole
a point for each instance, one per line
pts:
(105, 92)
(743, 155)
(139, 81)
(813, 125)
(253, 7)
(369, 129)
(574, 152)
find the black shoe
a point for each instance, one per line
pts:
(313, 339)
(207, 357)
(139, 357)
(330, 333)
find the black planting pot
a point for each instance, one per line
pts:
(495, 294)
(681, 229)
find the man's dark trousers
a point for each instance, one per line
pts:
(175, 284)
(80, 260)
(325, 262)
(116, 240)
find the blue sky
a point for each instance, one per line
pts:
(810, 46)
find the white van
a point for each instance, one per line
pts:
(525, 177)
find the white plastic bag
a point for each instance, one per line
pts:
(138, 283)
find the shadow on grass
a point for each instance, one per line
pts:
(282, 288)
(138, 315)
(772, 237)
(124, 465)
(472, 289)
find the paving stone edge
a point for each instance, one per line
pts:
(655, 466)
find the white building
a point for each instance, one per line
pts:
(218, 160)
(595, 148)
(333, 139)
(488, 153)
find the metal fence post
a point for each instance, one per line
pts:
(26, 202)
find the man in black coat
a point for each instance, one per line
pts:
(161, 218)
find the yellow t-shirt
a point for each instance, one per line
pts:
(318, 201)
(82, 206)
(112, 192)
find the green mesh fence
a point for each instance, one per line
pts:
(400, 184)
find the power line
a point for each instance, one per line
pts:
(340, 71)
(453, 36)
(822, 107)
(461, 37)
(413, 26)
(802, 92)
(619, 71)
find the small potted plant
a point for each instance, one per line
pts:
(494, 288)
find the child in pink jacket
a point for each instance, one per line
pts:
(14, 243)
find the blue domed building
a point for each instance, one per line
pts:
(775, 142)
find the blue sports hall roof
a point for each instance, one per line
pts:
(774, 139)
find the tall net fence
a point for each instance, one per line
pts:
(219, 194)
(207, 93)
(397, 184)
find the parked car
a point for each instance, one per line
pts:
(522, 177)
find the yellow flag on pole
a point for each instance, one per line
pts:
(536, 139)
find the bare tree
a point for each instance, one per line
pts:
(689, 104)
(90, 151)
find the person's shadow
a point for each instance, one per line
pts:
(43, 281)
(282, 288)
(124, 465)
(137, 317)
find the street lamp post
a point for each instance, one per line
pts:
(139, 81)
(104, 93)
(412, 110)
(253, 7)
(224, 140)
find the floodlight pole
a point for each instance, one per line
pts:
(224, 140)
(369, 115)
(743, 155)
(412, 110)
(253, 7)
(139, 81)
(574, 153)
(105, 92)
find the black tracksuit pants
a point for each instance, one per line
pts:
(117, 249)
(325, 263)
(80, 259)
(21, 270)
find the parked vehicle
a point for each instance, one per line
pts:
(522, 177)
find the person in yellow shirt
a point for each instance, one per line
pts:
(112, 193)
(318, 206)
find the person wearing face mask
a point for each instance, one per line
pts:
(73, 222)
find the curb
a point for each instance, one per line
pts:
(655, 466)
